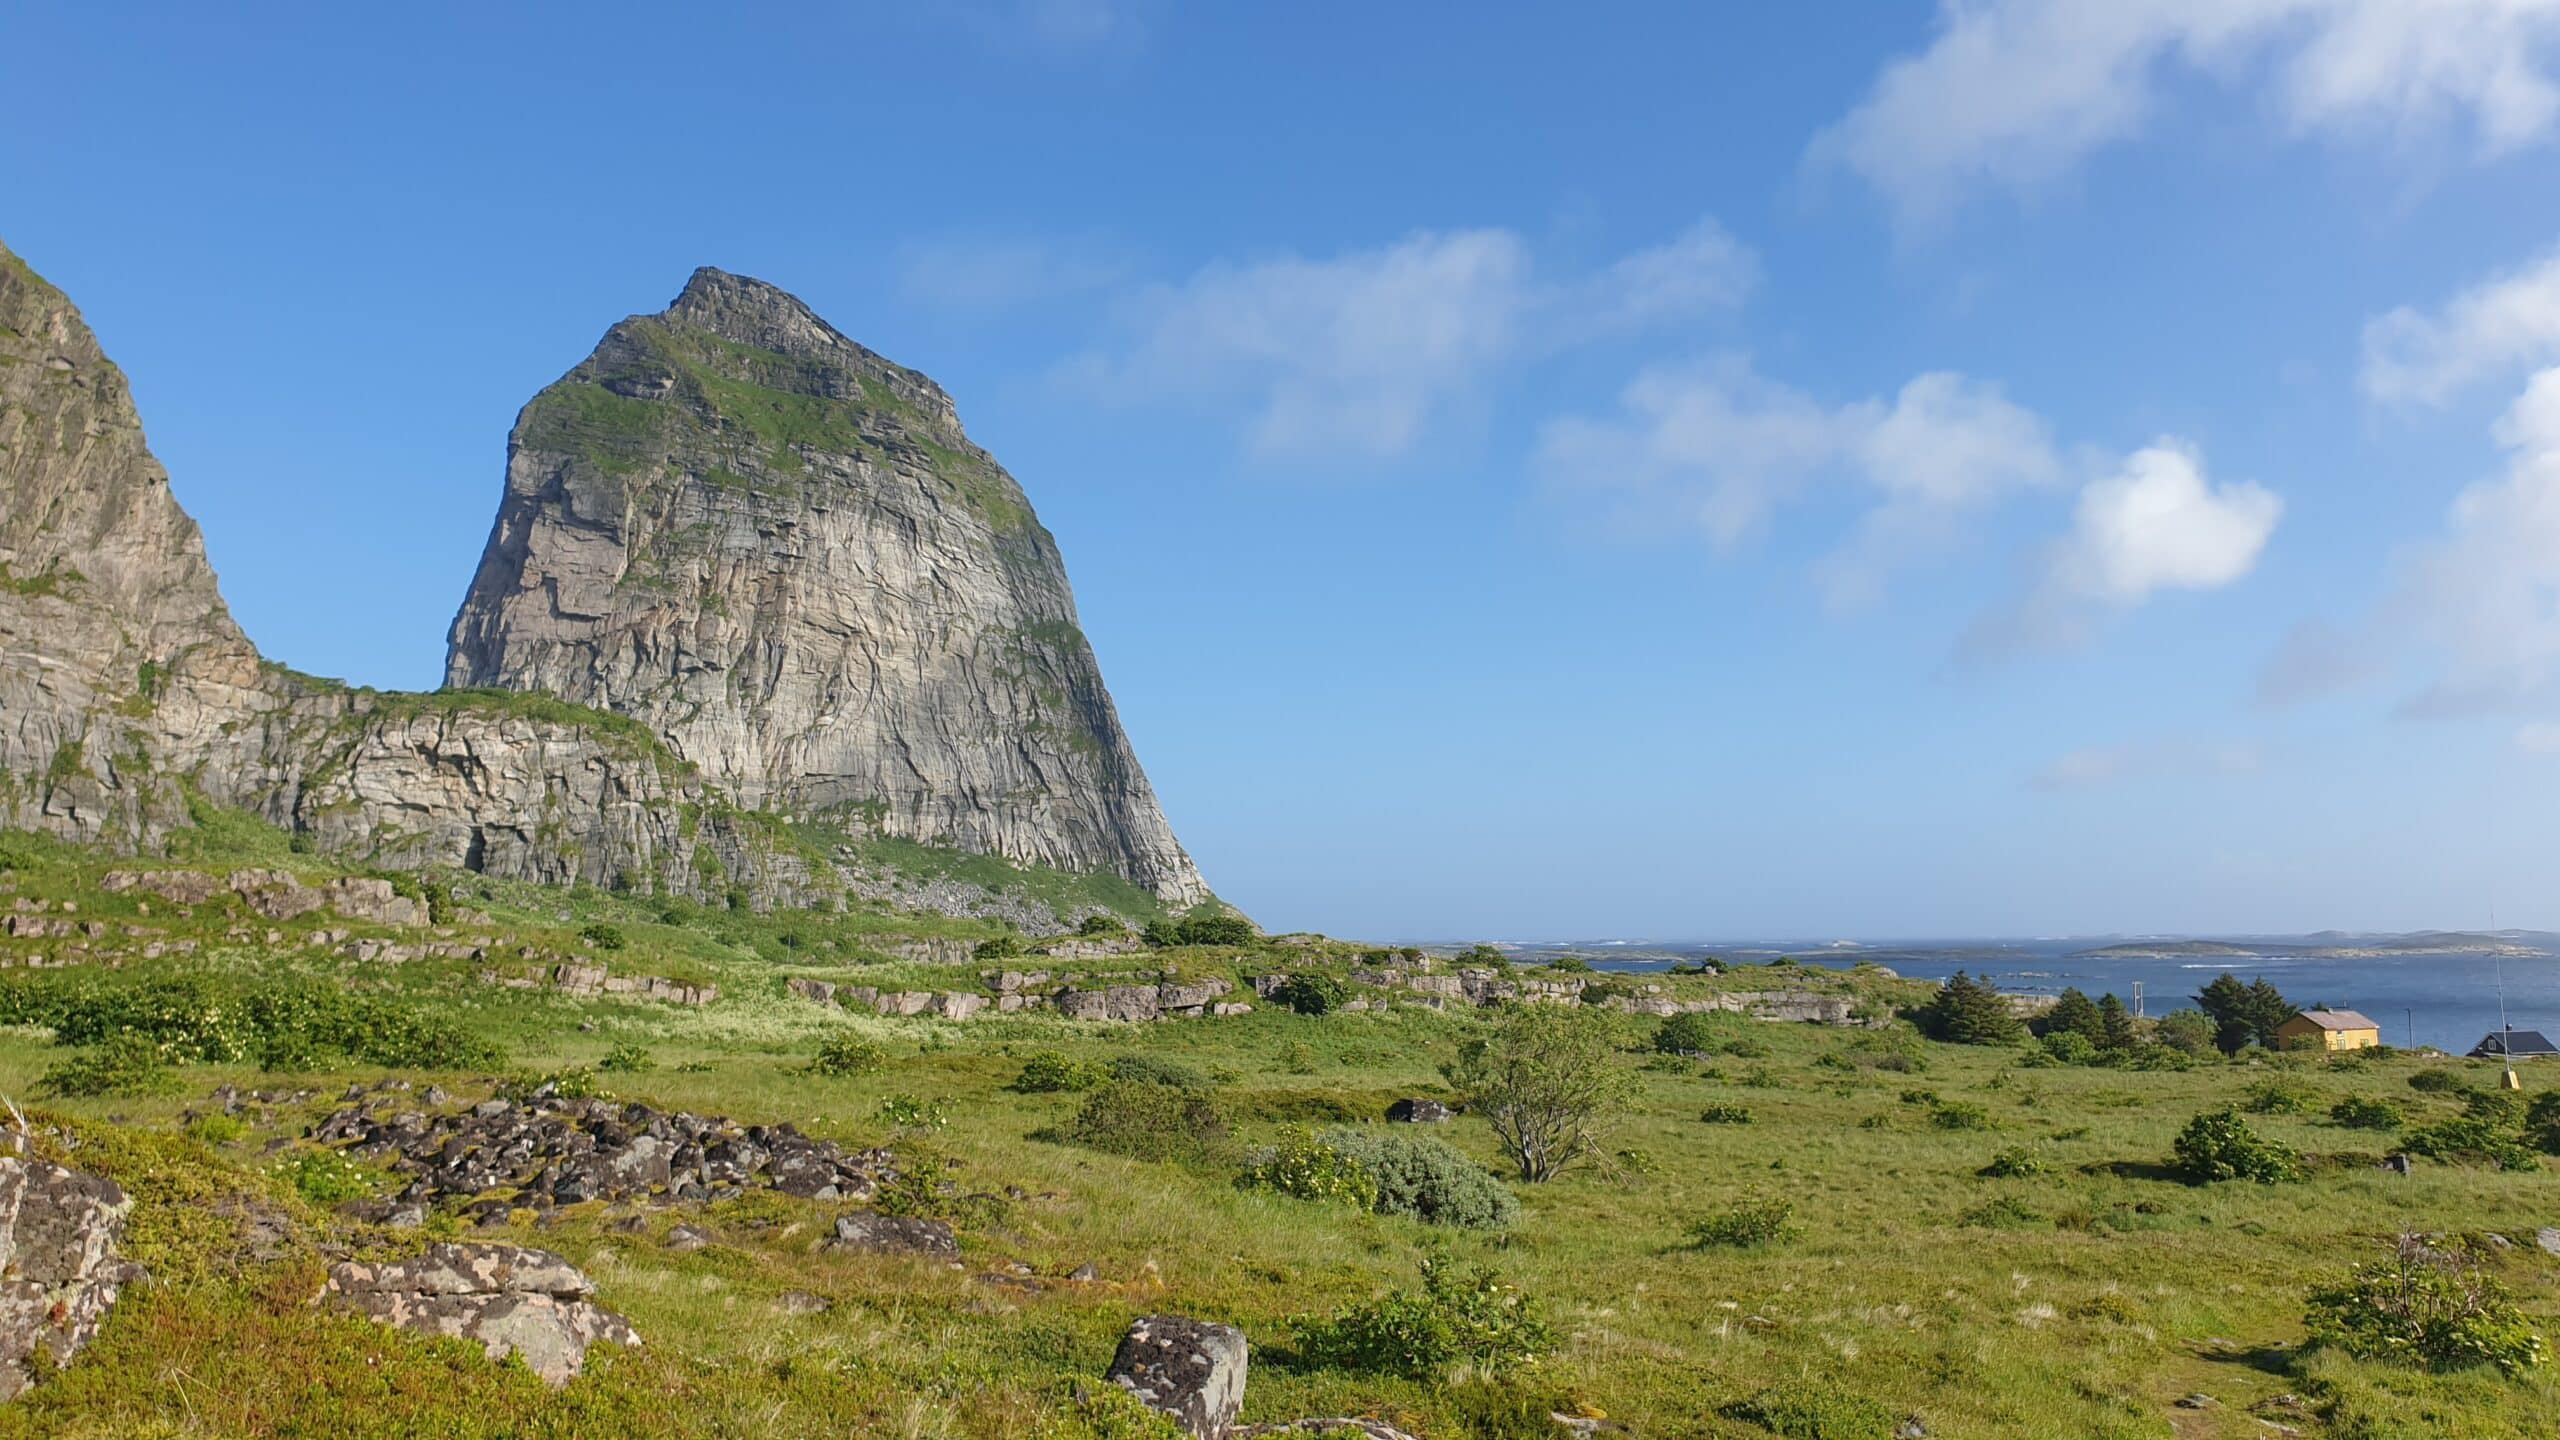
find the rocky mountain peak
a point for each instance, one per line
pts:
(780, 551)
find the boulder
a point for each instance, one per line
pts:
(514, 1301)
(1190, 1370)
(873, 1233)
(59, 1272)
(1417, 1111)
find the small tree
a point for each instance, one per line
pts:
(2115, 1026)
(2189, 1032)
(1969, 1012)
(2073, 1014)
(2219, 1145)
(2426, 1307)
(1547, 1080)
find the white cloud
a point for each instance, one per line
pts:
(1702, 271)
(2494, 329)
(2014, 92)
(2099, 765)
(2539, 737)
(2483, 599)
(2156, 524)
(1712, 448)
(1358, 355)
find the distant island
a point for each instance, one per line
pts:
(2333, 945)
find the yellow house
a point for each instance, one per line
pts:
(2328, 1030)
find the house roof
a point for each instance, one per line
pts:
(2337, 1020)
(2527, 1042)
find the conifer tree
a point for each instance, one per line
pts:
(2115, 1025)
(1969, 1012)
(2074, 1015)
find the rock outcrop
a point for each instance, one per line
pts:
(547, 1151)
(1191, 1371)
(59, 1272)
(889, 627)
(780, 552)
(514, 1301)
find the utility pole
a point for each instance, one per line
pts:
(2506, 1032)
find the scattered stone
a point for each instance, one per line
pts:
(1190, 1370)
(514, 1301)
(1335, 1425)
(59, 1271)
(871, 1232)
(1418, 1112)
(1911, 1429)
(1085, 1274)
(555, 1151)
(801, 1302)
(2197, 1401)
(2548, 1237)
(685, 1239)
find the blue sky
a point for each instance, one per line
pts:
(2073, 466)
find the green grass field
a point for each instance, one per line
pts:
(2083, 1301)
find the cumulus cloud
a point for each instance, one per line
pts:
(1059, 30)
(1712, 448)
(2156, 524)
(2539, 737)
(2100, 765)
(1359, 354)
(2495, 329)
(2483, 599)
(2010, 93)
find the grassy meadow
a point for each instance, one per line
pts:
(2086, 1299)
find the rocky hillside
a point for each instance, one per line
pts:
(780, 552)
(131, 703)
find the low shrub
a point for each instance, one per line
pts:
(326, 1178)
(119, 1065)
(1312, 993)
(2489, 1131)
(1698, 1032)
(1748, 1225)
(912, 1113)
(1726, 1114)
(626, 1059)
(1002, 947)
(277, 1024)
(2001, 1212)
(842, 1057)
(2542, 1121)
(1959, 1115)
(2016, 1162)
(1147, 1121)
(2218, 1145)
(603, 936)
(2437, 1082)
(1047, 1072)
(1464, 1317)
(1098, 924)
(2356, 1112)
(574, 1082)
(2428, 1308)
(1300, 1165)
(2279, 1097)
(1808, 1411)
(1223, 929)
(217, 1129)
(1427, 1179)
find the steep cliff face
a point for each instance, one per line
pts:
(115, 647)
(625, 570)
(128, 693)
(779, 551)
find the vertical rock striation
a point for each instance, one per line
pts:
(780, 552)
